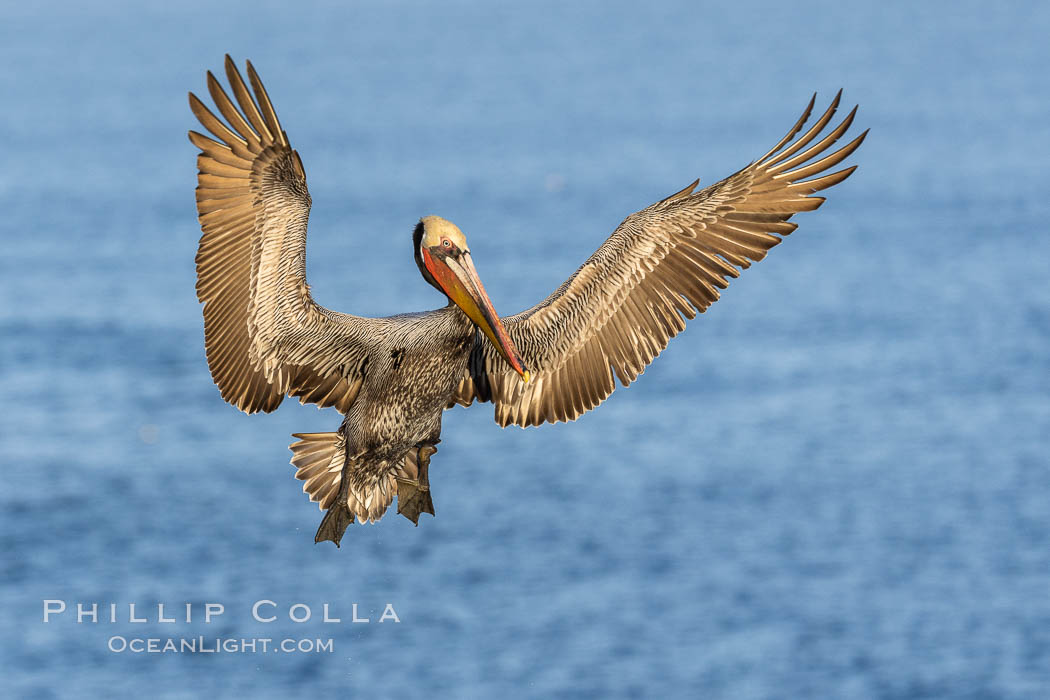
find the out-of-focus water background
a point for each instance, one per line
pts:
(835, 483)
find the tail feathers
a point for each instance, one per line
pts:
(318, 461)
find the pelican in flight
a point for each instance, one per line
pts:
(392, 378)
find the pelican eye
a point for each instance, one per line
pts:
(446, 242)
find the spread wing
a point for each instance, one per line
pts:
(264, 335)
(661, 265)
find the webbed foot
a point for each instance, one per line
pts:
(336, 519)
(413, 495)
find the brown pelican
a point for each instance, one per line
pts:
(393, 377)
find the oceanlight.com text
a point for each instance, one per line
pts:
(217, 645)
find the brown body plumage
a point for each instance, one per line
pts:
(393, 377)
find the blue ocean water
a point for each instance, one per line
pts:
(835, 483)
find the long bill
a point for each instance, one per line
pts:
(461, 283)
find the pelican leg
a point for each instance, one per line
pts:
(338, 516)
(413, 495)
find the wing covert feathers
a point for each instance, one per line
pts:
(264, 335)
(659, 268)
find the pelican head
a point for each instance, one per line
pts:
(444, 260)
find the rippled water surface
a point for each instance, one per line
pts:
(834, 484)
